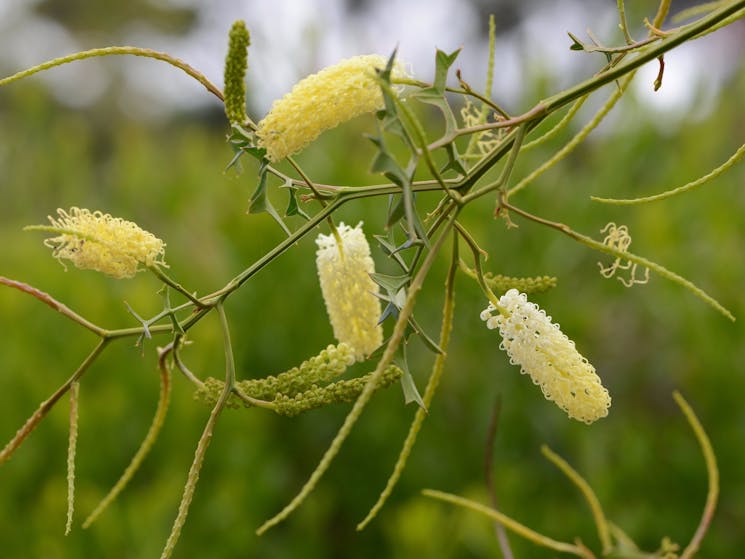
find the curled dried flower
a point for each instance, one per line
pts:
(545, 353)
(473, 116)
(618, 238)
(322, 101)
(97, 241)
(348, 290)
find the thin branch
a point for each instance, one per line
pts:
(519, 529)
(592, 243)
(56, 305)
(711, 468)
(115, 51)
(147, 442)
(597, 511)
(72, 444)
(44, 408)
(364, 397)
(681, 189)
(193, 477)
(504, 543)
(429, 391)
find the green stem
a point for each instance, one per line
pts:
(507, 522)
(33, 421)
(115, 51)
(429, 391)
(364, 397)
(592, 243)
(162, 276)
(549, 105)
(576, 140)
(559, 125)
(56, 305)
(597, 512)
(506, 170)
(71, 449)
(147, 442)
(711, 468)
(681, 189)
(204, 441)
(623, 23)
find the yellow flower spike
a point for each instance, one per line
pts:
(98, 241)
(322, 101)
(349, 292)
(545, 353)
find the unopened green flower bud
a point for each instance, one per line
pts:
(330, 363)
(502, 284)
(343, 391)
(236, 63)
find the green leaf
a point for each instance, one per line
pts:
(392, 284)
(293, 208)
(259, 201)
(385, 164)
(411, 394)
(443, 62)
(576, 43)
(455, 162)
(429, 342)
(242, 142)
(388, 245)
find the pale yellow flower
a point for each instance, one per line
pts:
(545, 353)
(618, 238)
(97, 241)
(349, 292)
(322, 101)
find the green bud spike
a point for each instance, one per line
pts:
(502, 284)
(294, 403)
(330, 363)
(236, 63)
(337, 392)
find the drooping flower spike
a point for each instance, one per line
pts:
(98, 241)
(348, 290)
(545, 353)
(322, 101)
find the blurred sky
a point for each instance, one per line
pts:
(292, 38)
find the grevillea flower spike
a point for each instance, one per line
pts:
(97, 241)
(545, 353)
(348, 290)
(322, 101)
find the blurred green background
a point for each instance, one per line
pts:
(167, 174)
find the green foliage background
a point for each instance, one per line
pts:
(642, 460)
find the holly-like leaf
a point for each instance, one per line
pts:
(293, 208)
(391, 284)
(259, 201)
(576, 43)
(411, 394)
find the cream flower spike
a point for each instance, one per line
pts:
(322, 101)
(349, 292)
(545, 353)
(97, 241)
